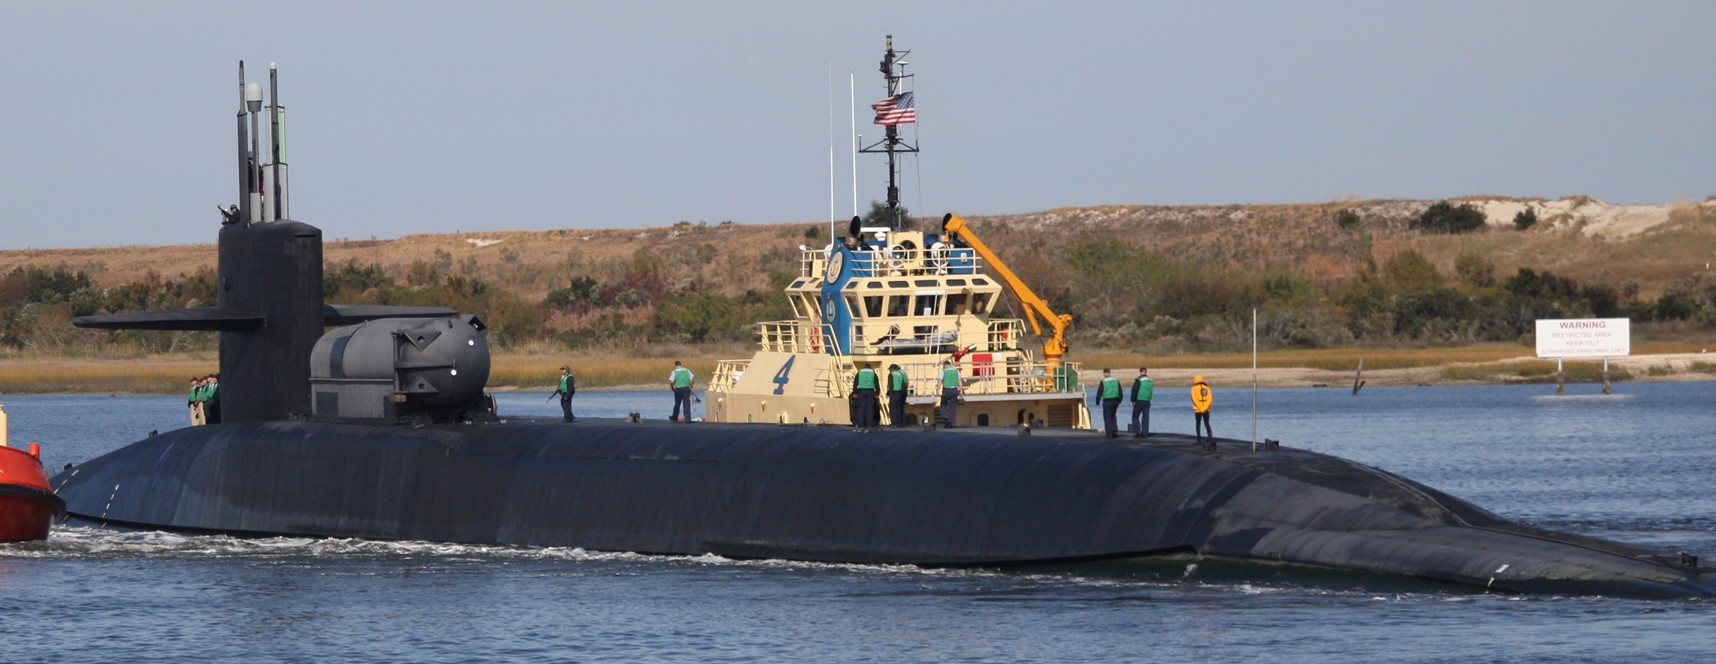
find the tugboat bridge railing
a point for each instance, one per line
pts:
(896, 261)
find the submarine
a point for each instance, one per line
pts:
(380, 428)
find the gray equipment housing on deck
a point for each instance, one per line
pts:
(402, 370)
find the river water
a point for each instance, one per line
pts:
(1635, 466)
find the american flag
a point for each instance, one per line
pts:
(896, 110)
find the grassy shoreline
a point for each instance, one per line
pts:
(167, 374)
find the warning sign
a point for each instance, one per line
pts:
(1587, 337)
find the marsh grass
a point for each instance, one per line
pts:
(1345, 359)
(169, 374)
(540, 368)
(1533, 371)
(1332, 359)
(166, 374)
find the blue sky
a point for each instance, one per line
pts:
(116, 119)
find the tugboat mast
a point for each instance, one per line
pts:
(894, 69)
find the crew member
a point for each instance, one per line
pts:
(1142, 390)
(949, 392)
(192, 403)
(680, 380)
(568, 387)
(228, 216)
(897, 396)
(1201, 399)
(1108, 391)
(864, 396)
(211, 399)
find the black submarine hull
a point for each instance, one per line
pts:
(836, 495)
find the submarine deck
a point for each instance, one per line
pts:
(966, 496)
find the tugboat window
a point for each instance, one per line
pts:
(872, 305)
(928, 305)
(980, 303)
(899, 305)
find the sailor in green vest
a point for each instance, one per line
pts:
(897, 396)
(1142, 390)
(568, 387)
(193, 403)
(949, 392)
(864, 397)
(1108, 391)
(211, 399)
(680, 380)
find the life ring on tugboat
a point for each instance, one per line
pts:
(896, 257)
(939, 254)
(816, 340)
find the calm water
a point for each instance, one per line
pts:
(1636, 466)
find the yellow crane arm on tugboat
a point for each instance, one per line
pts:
(1035, 307)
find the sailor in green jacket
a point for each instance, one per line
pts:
(897, 396)
(1108, 392)
(680, 380)
(864, 397)
(568, 387)
(194, 402)
(1142, 390)
(949, 392)
(211, 399)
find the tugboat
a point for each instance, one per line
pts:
(27, 505)
(885, 296)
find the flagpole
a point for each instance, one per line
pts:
(852, 86)
(831, 150)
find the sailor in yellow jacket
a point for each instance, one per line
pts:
(1202, 397)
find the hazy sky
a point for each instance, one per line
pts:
(116, 118)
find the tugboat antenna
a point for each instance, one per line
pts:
(899, 108)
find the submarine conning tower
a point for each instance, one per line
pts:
(269, 310)
(274, 272)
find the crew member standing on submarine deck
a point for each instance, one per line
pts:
(1108, 391)
(202, 399)
(949, 392)
(568, 387)
(191, 401)
(864, 396)
(680, 380)
(1201, 400)
(211, 399)
(897, 396)
(1142, 390)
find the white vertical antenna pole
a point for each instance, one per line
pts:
(852, 85)
(1254, 379)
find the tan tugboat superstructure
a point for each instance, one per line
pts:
(885, 296)
(896, 300)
